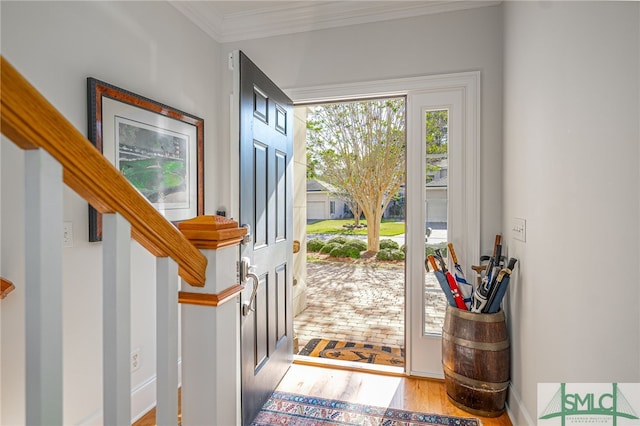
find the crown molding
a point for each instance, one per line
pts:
(288, 17)
(209, 19)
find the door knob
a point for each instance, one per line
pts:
(245, 274)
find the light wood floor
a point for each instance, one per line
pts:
(392, 391)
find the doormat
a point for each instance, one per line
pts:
(354, 352)
(297, 410)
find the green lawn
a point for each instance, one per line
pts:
(388, 228)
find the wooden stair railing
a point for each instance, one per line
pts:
(6, 287)
(31, 122)
(57, 152)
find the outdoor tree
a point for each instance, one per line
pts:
(437, 138)
(311, 166)
(351, 204)
(359, 147)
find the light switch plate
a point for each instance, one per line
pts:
(519, 229)
(67, 234)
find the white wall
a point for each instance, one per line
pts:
(149, 49)
(571, 161)
(426, 45)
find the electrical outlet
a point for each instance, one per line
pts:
(135, 360)
(67, 234)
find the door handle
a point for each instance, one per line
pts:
(245, 274)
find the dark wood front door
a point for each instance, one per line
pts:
(266, 205)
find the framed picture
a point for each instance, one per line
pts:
(159, 149)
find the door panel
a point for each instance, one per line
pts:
(266, 205)
(281, 298)
(281, 196)
(261, 194)
(260, 321)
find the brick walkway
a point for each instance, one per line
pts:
(361, 303)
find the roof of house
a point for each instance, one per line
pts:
(314, 185)
(438, 183)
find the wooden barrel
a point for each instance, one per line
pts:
(475, 358)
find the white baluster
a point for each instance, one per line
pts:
(116, 319)
(43, 288)
(167, 341)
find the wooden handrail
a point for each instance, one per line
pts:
(31, 122)
(6, 287)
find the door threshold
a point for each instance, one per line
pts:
(386, 370)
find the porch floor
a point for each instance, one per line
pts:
(362, 303)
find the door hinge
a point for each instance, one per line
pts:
(246, 239)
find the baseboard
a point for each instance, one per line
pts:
(516, 410)
(94, 419)
(143, 399)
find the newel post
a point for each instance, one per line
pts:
(211, 326)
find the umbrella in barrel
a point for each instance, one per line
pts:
(457, 297)
(495, 299)
(495, 259)
(465, 287)
(442, 280)
(482, 293)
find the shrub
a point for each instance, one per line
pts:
(361, 245)
(328, 247)
(429, 250)
(389, 244)
(345, 251)
(390, 254)
(354, 226)
(337, 240)
(432, 249)
(315, 245)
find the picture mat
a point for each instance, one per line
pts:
(114, 111)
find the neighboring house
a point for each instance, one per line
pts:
(437, 202)
(437, 194)
(436, 197)
(322, 204)
(396, 209)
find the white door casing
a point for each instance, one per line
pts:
(461, 91)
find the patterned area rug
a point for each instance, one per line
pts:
(354, 352)
(298, 410)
